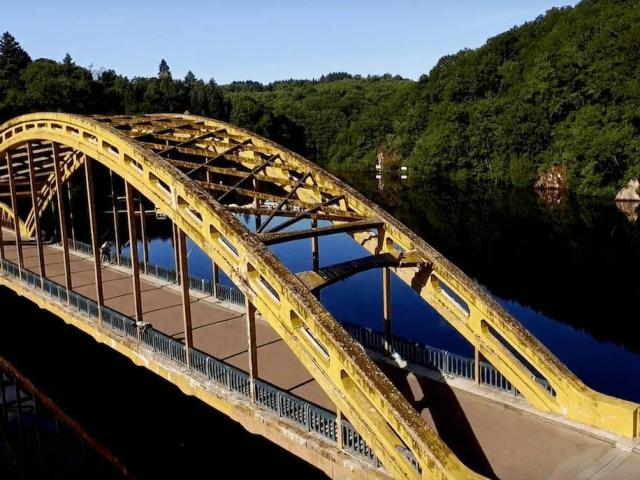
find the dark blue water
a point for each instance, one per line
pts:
(561, 270)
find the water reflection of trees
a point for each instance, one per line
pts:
(576, 262)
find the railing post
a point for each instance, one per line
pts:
(476, 365)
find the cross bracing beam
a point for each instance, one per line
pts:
(245, 192)
(334, 273)
(209, 161)
(389, 425)
(323, 277)
(346, 227)
(249, 176)
(306, 213)
(338, 216)
(187, 141)
(234, 172)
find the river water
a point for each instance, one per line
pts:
(567, 269)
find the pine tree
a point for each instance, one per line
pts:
(163, 70)
(67, 61)
(190, 79)
(13, 60)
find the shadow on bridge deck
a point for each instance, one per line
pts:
(492, 439)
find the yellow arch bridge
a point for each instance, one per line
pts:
(200, 174)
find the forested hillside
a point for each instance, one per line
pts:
(561, 90)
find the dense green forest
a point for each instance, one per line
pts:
(561, 90)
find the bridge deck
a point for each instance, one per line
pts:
(494, 440)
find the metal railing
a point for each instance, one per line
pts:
(221, 292)
(413, 352)
(287, 406)
(437, 359)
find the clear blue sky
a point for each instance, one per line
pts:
(261, 40)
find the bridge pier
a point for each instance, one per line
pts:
(133, 248)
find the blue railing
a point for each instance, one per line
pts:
(437, 359)
(413, 352)
(291, 407)
(221, 292)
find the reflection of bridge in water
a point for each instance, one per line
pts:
(292, 373)
(39, 440)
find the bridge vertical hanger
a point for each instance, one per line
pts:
(215, 278)
(116, 221)
(315, 253)
(176, 255)
(339, 431)
(91, 207)
(186, 302)
(71, 224)
(14, 206)
(251, 344)
(256, 203)
(386, 307)
(2, 253)
(215, 272)
(36, 217)
(60, 187)
(133, 248)
(143, 236)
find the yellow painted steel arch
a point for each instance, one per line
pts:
(353, 382)
(377, 410)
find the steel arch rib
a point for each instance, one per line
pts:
(359, 389)
(377, 410)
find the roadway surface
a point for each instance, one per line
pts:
(492, 438)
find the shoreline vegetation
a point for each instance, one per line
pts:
(560, 93)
